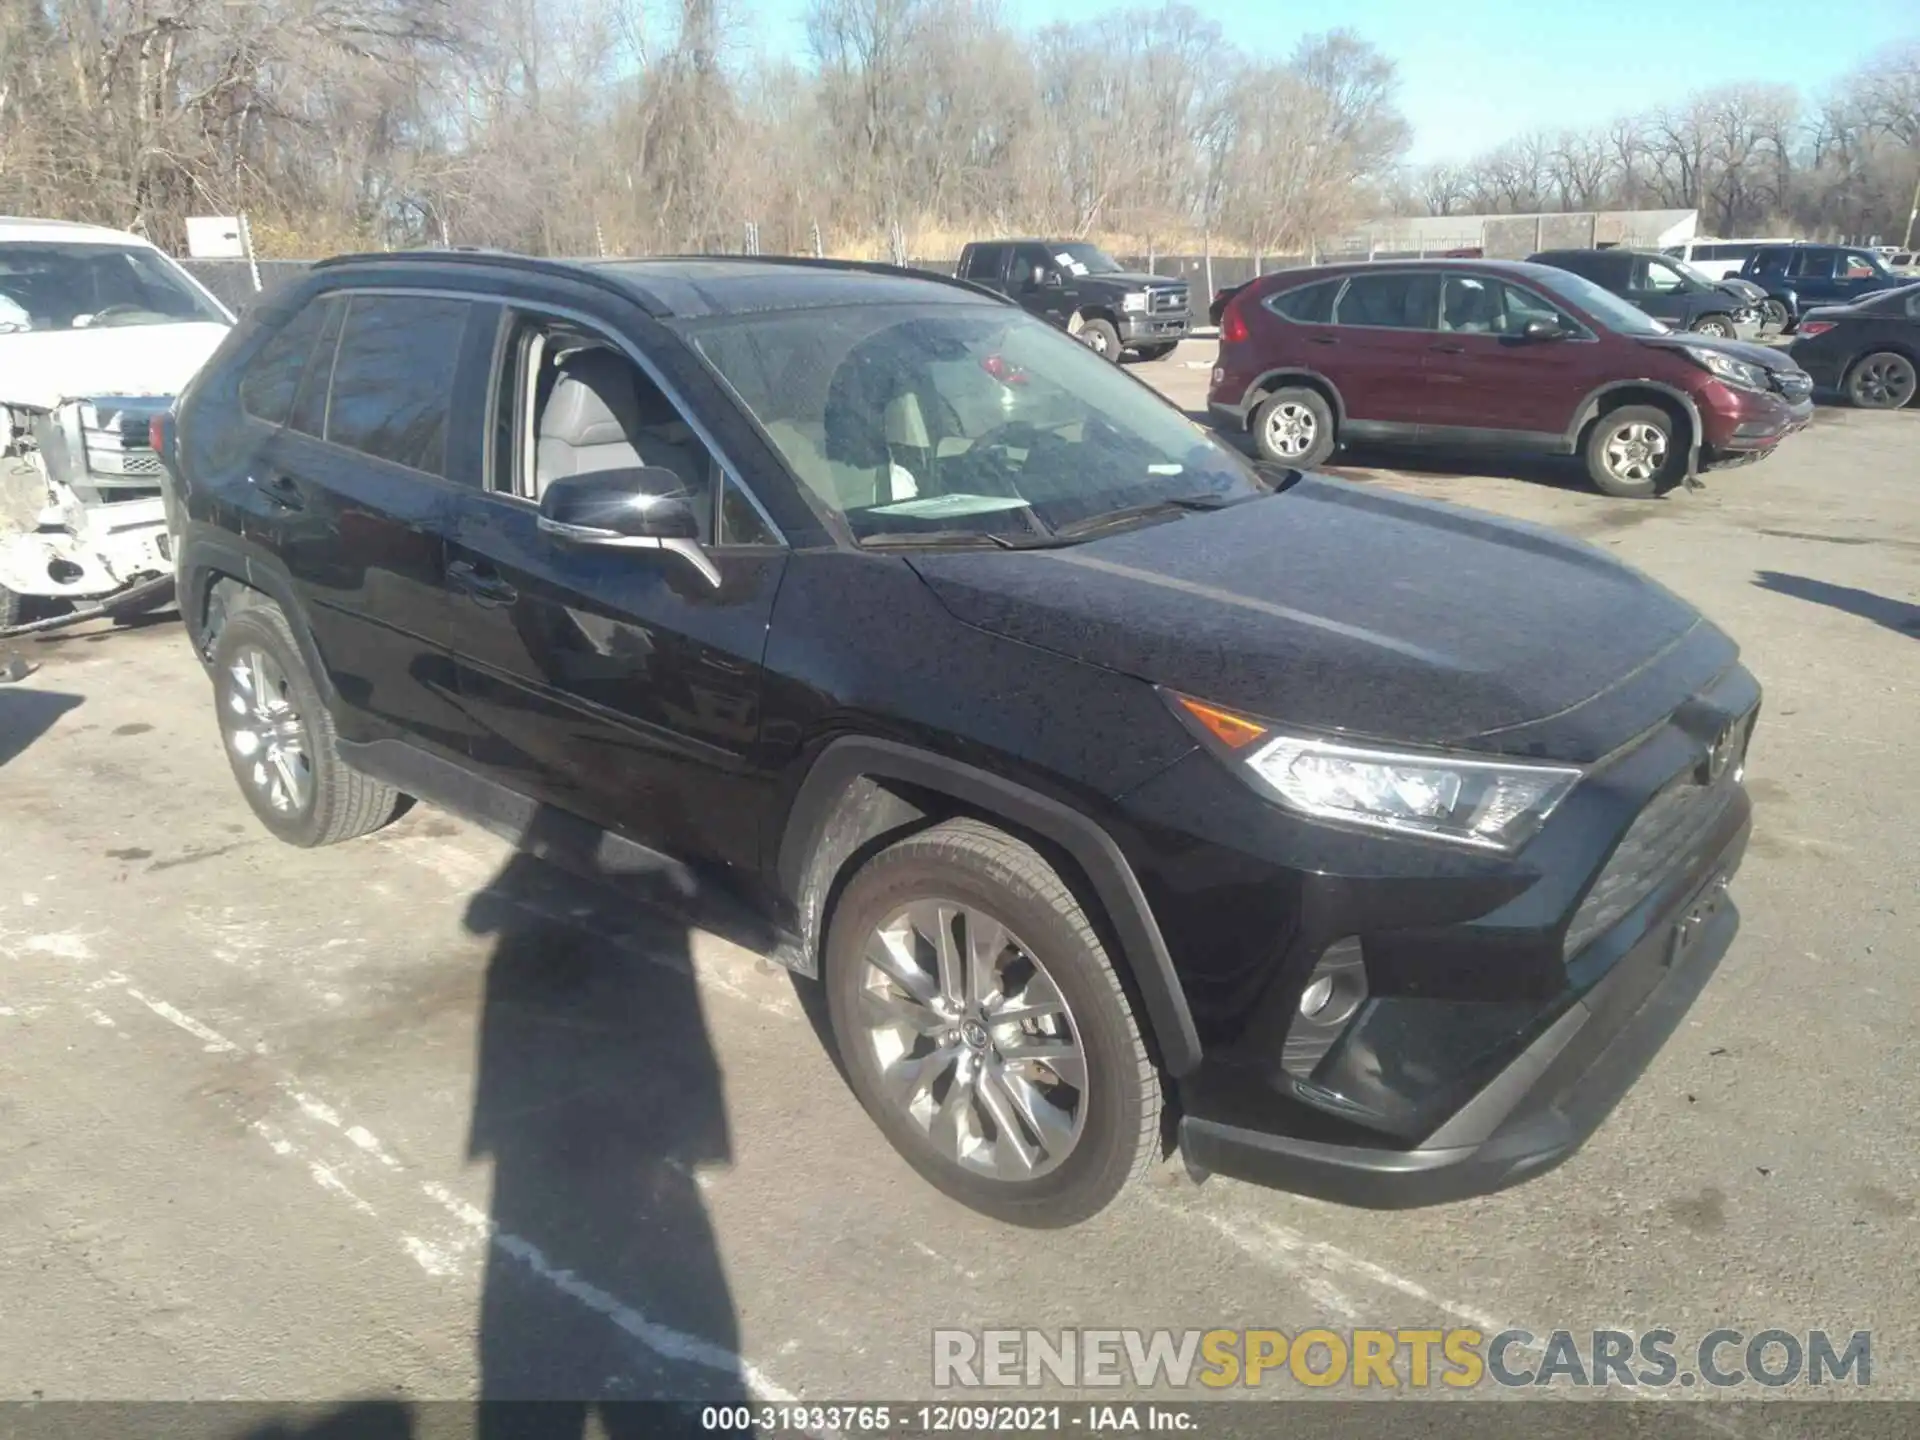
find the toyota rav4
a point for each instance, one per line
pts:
(1123, 794)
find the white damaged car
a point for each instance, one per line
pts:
(98, 332)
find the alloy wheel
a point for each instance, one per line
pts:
(267, 733)
(1636, 452)
(1291, 429)
(973, 1040)
(1884, 382)
(1717, 328)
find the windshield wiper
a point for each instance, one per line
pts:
(976, 538)
(1171, 505)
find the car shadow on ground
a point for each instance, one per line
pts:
(1895, 615)
(26, 715)
(599, 1101)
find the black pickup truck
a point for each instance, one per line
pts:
(1084, 291)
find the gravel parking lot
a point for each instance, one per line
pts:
(412, 1114)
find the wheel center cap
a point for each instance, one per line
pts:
(974, 1034)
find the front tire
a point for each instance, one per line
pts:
(1718, 326)
(1883, 380)
(1100, 337)
(985, 1030)
(13, 608)
(1774, 315)
(1155, 352)
(1294, 426)
(279, 738)
(1633, 453)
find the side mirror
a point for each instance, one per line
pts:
(1544, 330)
(647, 507)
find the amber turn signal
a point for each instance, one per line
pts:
(1229, 729)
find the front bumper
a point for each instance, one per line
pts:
(1149, 329)
(1744, 423)
(1537, 1111)
(1508, 1002)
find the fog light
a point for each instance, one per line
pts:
(1333, 993)
(1314, 999)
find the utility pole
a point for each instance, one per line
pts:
(1913, 214)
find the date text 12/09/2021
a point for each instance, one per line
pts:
(938, 1419)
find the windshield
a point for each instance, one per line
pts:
(963, 422)
(1604, 306)
(1083, 259)
(52, 286)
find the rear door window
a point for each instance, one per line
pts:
(273, 378)
(1396, 300)
(1771, 262)
(987, 262)
(1813, 265)
(393, 378)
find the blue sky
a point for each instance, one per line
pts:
(1474, 72)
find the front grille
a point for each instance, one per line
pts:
(123, 462)
(1170, 301)
(1661, 838)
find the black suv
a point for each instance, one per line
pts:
(1121, 792)
(1666, 289)
(1084, 291)
(1799, 277)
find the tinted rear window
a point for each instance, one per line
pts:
(1307, 305)
(271, 381)
(1399, 299)
(393, 379)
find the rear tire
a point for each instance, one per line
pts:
(1883, 380)
(964, 1098)
(279, 737)
(1634, 453)
(1773, 314)
(1294, 426)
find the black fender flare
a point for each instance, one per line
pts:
(1590, 407)
(207, 560)
(847, 761)
(1267, 380)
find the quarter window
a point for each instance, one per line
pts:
(1307, 305)
(271, 381)
(393, 379)
(309, 414)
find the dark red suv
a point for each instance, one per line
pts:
(1498, 355)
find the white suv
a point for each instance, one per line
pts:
(98, 332)
(1720, 259)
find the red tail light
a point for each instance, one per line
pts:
(1815, 327)
(156, 432)
(1233, 328)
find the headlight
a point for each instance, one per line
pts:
(1734, 372)
(1483, 804)
(1134, 304)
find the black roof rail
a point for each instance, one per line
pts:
(480, 256)
(593, 270)
(827, 262)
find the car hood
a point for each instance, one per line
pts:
(1767, 357)
(1742, 289)
(41, 368)
(1341, 609)
(1135, 280)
